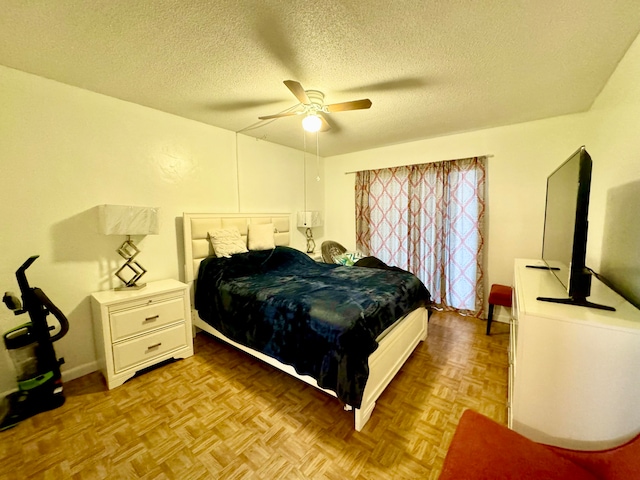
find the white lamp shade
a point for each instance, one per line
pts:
(309, 219)
(128, 220)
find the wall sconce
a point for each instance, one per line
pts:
(309, 220)
(128, 220)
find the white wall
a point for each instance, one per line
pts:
(616, 143)
(523, 156)
(65, 150)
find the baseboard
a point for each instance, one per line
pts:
(80, 371)
(8, 392)
(502, 318)
(67, 375)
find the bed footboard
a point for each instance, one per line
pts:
(386, 361)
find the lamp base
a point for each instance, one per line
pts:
(128, 251)
(311, 244)
(125, 288)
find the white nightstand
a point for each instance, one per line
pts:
(139, 328)
(316, 256)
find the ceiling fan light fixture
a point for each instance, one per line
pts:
(311, 123)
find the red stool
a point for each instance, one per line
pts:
(499, 295)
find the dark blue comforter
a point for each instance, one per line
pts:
(322, 319)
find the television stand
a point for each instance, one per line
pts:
(573, 372)
(578, 302)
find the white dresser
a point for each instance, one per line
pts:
(575, 371)
(136, 329)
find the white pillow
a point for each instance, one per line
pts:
(227, 241)
(261, 236)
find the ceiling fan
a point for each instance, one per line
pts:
(314, 109)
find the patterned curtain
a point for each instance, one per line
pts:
(428, 219)
(363, 213)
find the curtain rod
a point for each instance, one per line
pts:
(490, 155)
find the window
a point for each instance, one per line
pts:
(428, 219)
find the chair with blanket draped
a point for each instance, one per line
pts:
(331, 250)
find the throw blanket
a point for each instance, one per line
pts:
(323, 319)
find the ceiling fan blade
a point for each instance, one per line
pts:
(298, 91)
(353, 105)
(278, 115)
(239, 105)
(401, 84)
(325, 123)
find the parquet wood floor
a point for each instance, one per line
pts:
(221, 414)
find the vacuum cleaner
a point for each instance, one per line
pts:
(30, 347)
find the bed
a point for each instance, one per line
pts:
(394, 339)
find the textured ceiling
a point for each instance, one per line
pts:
(430, 68)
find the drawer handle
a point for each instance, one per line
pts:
(155, 345)
(152, 319)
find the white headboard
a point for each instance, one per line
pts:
(197, 225)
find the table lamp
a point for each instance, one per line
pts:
(128, 220)
(309, 220)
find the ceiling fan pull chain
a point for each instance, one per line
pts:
(317, 158)
(304, 158)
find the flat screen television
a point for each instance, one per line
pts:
(564, 244)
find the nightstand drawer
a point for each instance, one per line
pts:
(141, 349)
(126, 323)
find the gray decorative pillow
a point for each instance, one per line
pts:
(227, 241)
